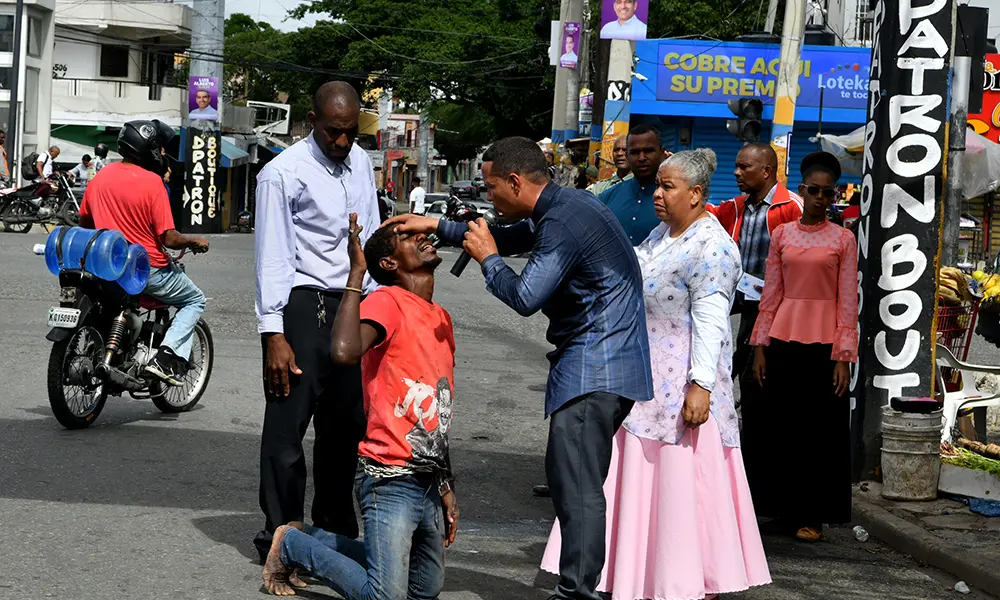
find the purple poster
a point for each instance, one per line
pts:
(569, 58)
(624, 19)
(203, 98)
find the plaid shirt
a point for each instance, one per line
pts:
(755, 239)
(584, 276)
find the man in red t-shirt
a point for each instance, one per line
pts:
(129, 196)
(406, 347)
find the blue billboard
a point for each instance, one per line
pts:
(698, 78)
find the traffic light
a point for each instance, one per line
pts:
(746, 125)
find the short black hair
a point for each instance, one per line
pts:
(489, 154)
(519, 155)
(86, 157)
(380, 245)
(643, 129)
(823, 162)
(765, 149)
(416, 180)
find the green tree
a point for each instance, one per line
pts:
(248, 44)
(705, 19)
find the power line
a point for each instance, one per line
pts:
(436, 62)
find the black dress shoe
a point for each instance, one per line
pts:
(542, 491)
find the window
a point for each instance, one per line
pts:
(114, 61)
(6, 33)
(31, 100)
(35, 35)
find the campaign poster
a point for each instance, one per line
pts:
(203, 98)
(570, 47)
(624, 19)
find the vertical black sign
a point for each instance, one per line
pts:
(201, 213)
(900, 227)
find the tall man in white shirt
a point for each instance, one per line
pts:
(417, 197)
(304, 197)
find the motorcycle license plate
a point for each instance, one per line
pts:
(66, 318)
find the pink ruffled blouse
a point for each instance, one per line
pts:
(811, 289)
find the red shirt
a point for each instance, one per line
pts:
(133, 201)
(408, 381)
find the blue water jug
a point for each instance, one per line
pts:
(133, 280)
(105, 257)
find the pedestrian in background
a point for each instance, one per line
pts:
(806, 337)
(751, 220)
(632, 201)
(622, 170)
(304, 197)
(417, 197)
(583, 275)
(680, 519)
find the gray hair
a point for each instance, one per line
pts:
(696, 167)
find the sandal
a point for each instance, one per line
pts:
(809, 534)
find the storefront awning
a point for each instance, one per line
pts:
(72, 152)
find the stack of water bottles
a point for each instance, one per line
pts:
(109, 257)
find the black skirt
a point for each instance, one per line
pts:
(796, 438)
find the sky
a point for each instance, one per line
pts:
(274, 11)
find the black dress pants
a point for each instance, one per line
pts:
(581, 434)
(331, 397)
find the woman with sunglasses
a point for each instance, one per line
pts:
(805, 338)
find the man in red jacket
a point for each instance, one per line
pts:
(751, 219)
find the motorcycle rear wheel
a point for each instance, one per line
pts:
(69, 215)
(182, 398)
(16, 210)
(75, 406)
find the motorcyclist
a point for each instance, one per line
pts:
(129, 196)
(100, 159)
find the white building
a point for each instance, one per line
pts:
(35, 78)
(113, 62)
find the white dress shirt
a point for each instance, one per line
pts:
(303, 202)
(204, 114)
(633, 29)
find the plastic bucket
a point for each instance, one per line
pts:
(105, 257)
(911, 454)
(133, 279)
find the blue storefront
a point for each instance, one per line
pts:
(683, 87)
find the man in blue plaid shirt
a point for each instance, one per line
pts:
(583, 275)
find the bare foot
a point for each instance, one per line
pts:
(275, 573)
(295, 581)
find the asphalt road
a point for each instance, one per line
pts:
(145, 506)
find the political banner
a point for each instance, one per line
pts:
(570, 46)
(624, 19)
(203, 98)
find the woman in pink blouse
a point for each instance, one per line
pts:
(806, 336)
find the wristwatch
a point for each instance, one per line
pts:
(444, 486)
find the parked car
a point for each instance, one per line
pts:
(479, 183)
(465, 190)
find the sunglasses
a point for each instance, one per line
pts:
(828, 193)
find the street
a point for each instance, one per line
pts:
(147, 506)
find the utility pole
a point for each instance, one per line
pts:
(792, 32)
(13, 140)
(566, 102)
(954, 194)
(618, 101)
(772, 14)
(423, 150)
(201, 202)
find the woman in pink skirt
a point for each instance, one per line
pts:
(681, 524)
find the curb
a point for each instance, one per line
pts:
(924, 546)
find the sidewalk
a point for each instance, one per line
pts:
(942, 533)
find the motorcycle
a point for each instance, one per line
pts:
(103, 338)
(44, 202)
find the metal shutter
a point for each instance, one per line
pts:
(711, 133)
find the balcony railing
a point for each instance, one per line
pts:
(111, 103)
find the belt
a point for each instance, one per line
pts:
(335, 294)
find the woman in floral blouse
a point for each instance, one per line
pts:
(798, 448)
(680, 521)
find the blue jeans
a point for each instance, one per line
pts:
(172, 286)
(402, 555)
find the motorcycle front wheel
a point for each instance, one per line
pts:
(69, 214)
(184, 397)
(75, 395)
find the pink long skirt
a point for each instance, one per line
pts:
(680, 522)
